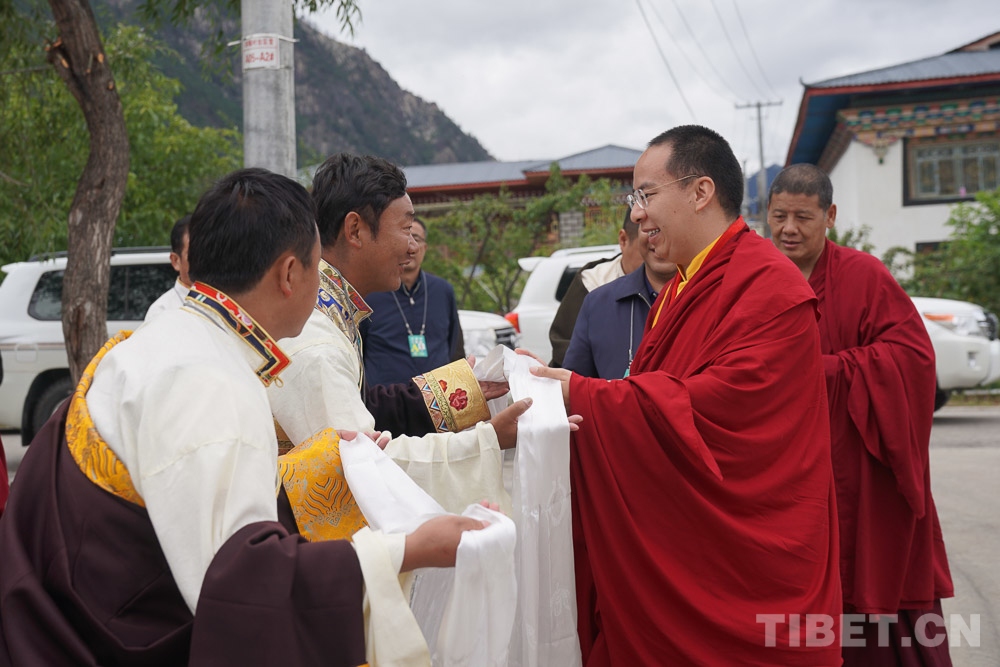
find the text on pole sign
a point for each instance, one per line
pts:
(261, 52)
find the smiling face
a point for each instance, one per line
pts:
(667, 216)
(412, 270)
(658, 270)
(798, 227)
(387, 254)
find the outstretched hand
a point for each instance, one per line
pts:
(435, 542)
(491, 388)
(560, 374)
(505, 423)
(378, 437)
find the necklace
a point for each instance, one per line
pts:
(417, 343)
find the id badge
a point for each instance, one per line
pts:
(418, 346)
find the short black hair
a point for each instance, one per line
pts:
(803, 179)
(631, 228)
(364, 184)
(243, 223)
(422, 224)
(699, 151)
(177, 234)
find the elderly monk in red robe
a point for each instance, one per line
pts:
(880, 382)
(704, 517)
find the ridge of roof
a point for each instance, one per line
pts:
(947, 65)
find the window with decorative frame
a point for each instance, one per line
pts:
(943, 171)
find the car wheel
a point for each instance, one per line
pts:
(940, 398)
(48, 402)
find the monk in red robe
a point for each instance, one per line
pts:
(880, 381)
(703, 507)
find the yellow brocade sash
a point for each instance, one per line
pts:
(312, 473)
(91, 453)
(313, 477)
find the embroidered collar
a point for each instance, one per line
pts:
(208, 300)
(339, 300)
(342, 304)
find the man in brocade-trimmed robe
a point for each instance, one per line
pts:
(174, 297)
(703, 507)
(365, 219)
(880, 380)
(145, 527)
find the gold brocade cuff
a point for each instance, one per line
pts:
(453, 397)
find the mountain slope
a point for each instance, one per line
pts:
(344, 100)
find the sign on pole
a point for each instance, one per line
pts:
(261, 51)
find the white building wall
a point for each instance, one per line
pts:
(869, 193)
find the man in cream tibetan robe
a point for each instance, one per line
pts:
(365, 218)
(145, 527)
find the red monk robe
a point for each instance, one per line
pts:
(880, 382)
(703, 490)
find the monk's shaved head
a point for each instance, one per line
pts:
(803, 179)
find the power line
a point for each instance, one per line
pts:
(689, 61)
(704, 55)
(732, 46)
(762, 174)
(752, 50)
(772, 120)
(664, 58)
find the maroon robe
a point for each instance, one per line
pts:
(702, 483)
(399, 408)
(83, 581)
(4, 486)
(881, 382)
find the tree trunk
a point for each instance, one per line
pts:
(477, 261)
(78, 57)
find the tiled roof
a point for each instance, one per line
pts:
(605, 157)
(970, 63)
(466, 173)
(470, 173)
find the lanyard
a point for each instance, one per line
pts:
(631, 338)
(423, 325)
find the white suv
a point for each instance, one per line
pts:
(548, 280)
(34, 372)
(965, 343)
(963, 334)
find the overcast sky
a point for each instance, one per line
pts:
(542, 79)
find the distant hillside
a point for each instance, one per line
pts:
(344, 100)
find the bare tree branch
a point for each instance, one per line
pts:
(13, 181)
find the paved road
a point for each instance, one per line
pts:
(965, 461)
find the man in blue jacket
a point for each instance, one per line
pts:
(609, 328)
(414, 329)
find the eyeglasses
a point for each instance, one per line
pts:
(419, 239)
(639, 197)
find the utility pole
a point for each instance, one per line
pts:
(268, 86)
(762, 174)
